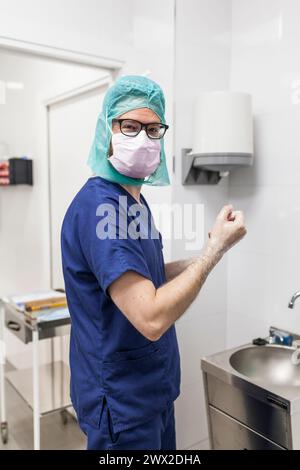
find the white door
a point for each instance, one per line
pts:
(71, 128)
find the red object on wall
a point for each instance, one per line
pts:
(4, 173)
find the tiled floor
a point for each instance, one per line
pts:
(54, 434)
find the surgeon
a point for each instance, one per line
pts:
(123, 299)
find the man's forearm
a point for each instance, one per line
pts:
(174, 268)
(174, 297)
(153, 310)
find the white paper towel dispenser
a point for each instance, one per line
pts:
(222, 137)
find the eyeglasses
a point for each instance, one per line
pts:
(131, 128)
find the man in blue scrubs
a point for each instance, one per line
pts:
(123, 299)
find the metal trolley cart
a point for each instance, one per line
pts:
(54, 377)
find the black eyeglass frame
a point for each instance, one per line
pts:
(143, 126)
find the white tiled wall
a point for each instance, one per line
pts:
(263, 271)
(202, 63)
(250, 290)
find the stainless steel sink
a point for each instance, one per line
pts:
(253, 397)
(269, 364)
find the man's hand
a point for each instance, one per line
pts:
(228, 229)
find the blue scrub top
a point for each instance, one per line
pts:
(109, 358)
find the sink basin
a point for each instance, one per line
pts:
(269, 364)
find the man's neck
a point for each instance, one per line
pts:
(135, 191)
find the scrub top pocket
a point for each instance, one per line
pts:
(135, 384)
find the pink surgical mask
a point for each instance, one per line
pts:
(137, 157)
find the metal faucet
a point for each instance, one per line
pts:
(293, 299)
(275, 335)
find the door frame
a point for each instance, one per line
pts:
(113, 67)
(58, 53)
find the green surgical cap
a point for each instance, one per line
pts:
(127, 93)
